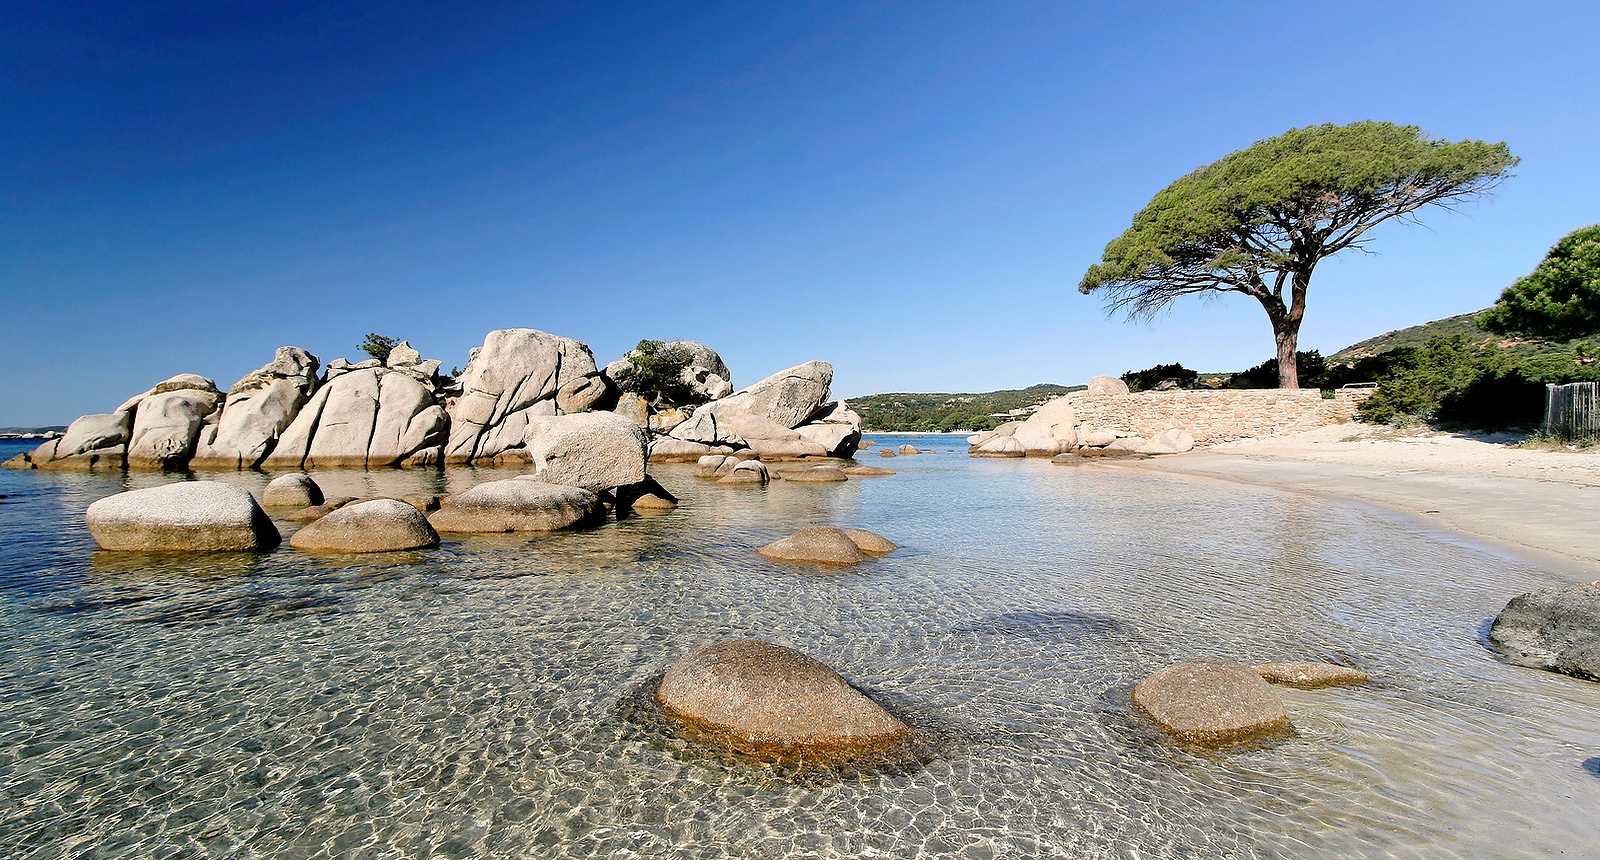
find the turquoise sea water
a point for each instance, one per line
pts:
(481, 699)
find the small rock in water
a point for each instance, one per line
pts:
(870, 542)
(868, 443)
(827, 545)
(909, 449)
(887, 452)
(1211, 703)
(1311, 676)
(379, 525)
(752, 472)
(187, 516)
(1556, 629)
(759, 698)
(862, 471)
(817, 475)
(647, 495)
(291, 491)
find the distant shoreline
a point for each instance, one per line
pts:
(916, 433)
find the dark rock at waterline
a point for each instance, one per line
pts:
(1211, 703)
(1557, 629)
(756, 697)
(187, 516)
(1111, 454)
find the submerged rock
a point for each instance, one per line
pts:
(887, 452)
(186, 516)
(522, 504)
(379, 525)
(827, 545)
(1556, 629)
(647, 495)
(317, 512)
(291, 491)
(752, 472)
(761, 698)
(1211, 703)
(816, 475)
(1310, 676)
(863, 471)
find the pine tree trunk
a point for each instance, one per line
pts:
(1287, 335)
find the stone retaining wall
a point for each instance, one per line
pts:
(1215, 416)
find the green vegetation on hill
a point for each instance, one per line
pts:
(942, 413)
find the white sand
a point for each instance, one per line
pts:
(1541, 502)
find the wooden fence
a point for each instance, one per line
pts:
(1572, 411)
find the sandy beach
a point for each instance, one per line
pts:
(1541, 502)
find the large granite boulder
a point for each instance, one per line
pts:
(836, 428)
(1556, 629)
(515, 505)
(1101, 386)
(706, 374)
(379, 525)
(592, 450)
(92, 441)
(1211, 703)
(783, 401)
(369, 416)
(167, 420)
(258, 409)
(759, 698)
(515, 375)
(186, 516)
(1049, 431)
(999, 446)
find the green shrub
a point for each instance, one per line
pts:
(655, 372)
(378, 345)
(1150, 377)
(1452, 381)
(1560, 298)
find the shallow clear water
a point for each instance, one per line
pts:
(476, 700)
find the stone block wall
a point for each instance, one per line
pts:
(1215, 416)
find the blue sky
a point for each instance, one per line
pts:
(909, 190)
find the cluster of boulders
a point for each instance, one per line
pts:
(1054, 430)
(526, 396)
(786, 416)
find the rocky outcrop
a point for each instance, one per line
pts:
(518, 374)
(759, 698)
(593, 450)
(291, 491)
(827, 545)
(1000, 446)
(1101, 386)
(167, 420)
(1556, 629)
(1049, 431)
(781, 402)
(1211, 703)
(92, 441)
(366, 417)
(379, 525)
(257, 411)
(706, 374)
(186, 516)
(516, 505)
(1310, 676)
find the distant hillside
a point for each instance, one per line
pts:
(942, 413)
(1520, 350)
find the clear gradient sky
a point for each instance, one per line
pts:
(909, 190)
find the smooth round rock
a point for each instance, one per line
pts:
(291, 491)
(188, 516)
(522, 504)
(752, 472)
(647, 495)
(1211, 703)
(1556, 629)
(868, 443)
(815, 545)
(870, 543)
(907, 450)
(757, 697)
(887, 452)
(379, 525)
(1310, 676)
(817, 475)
